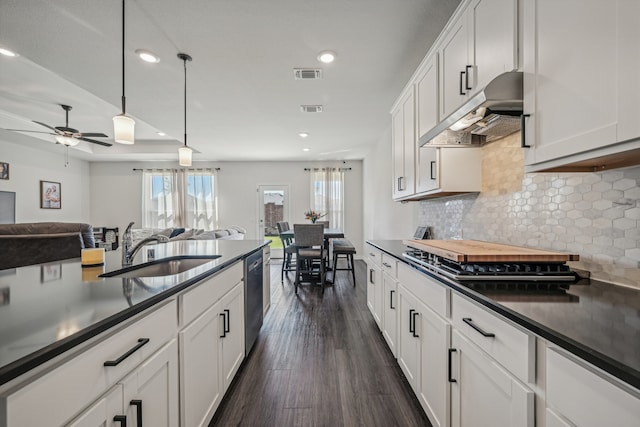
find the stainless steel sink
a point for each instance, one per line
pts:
(162, 267)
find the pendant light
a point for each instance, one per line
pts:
(184, 153)
(123, 125)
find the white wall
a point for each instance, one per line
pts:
(116, 191)
(383, 218)
(29, 165)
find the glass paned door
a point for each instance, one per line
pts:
(273, 206)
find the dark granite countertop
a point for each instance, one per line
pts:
(47, 309)
(598, 322)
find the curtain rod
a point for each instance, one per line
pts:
(170, 169)
(316, 169)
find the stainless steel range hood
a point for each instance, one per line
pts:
(490, 114)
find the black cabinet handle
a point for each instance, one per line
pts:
(466, 78)
(469, 322)
(138, 405)
(122, 419)
(391, 300)
(433, 175)
(371, 276)
(414, 324)
(523, 138)
(451, 380)
(228, 317)
(462, 73)
(412, 327)
(224, 325)
(141, 342)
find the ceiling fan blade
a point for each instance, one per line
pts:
(25, 130)
(47, 126)
(93, 135)
(106, 144)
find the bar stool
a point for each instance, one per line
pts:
(343, 248)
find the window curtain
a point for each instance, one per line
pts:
(179, 198)
(327, 195)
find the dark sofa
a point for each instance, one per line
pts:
(38, 242)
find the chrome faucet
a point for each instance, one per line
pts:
(129, 251)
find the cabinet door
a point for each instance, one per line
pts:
(390, 312)
(434, 394)
(404, 146)
(103, 411)
(374, 292)
(484, 394)
(231, 313)
(427, 96)
(492, 40)
(200, 383)
(427, 169)
(408, 338)
(454, 60)
(579, 90)
(151, 391)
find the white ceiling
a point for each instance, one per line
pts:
(243, 102)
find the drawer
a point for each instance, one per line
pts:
(55, 397)
(431, 292)
(374, 255)
(200, 297)
(510, 346)
(390, 265)
(580, 394)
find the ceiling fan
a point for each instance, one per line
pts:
(66, 135)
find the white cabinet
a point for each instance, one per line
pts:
(439, 171)
(409, 358)
(403, 142)
(580, 90)
(374, 283)
(482, 392)
(148, 396)
(211, 345)
(578, 393)
(480, 45)
(389, 306)
(427, 95)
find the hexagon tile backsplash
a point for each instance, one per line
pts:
(595, 215)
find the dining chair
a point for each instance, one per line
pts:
(310, 253)
(324, 223)
(288, 249)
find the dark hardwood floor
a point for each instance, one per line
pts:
(320, 360)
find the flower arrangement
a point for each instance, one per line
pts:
(313, 216)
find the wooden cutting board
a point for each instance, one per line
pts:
(479, 251)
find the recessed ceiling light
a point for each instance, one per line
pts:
(305, 149)
(303, 134)
(327, 56)
(161, 133)
(7, 52)
(147, 56)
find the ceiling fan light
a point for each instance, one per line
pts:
(123, 129)
(184, 156)
(67, 140)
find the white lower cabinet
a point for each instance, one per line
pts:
(482, 392)
(211, 350)
(147, 396)
(577, 394)
(374, 291)
(390, 312)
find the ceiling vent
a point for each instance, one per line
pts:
(307, 73)
(311, 108)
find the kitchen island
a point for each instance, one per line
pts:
(572, 348)
(51, 312)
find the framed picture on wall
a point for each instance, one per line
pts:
(4, 170)
(50, 195)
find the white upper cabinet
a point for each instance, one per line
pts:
(478, 46)
(404, 145)
(580, 62)
(427, 97)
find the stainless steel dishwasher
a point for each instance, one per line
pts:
(252, 298)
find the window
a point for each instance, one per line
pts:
(327, 195)
(179, 198)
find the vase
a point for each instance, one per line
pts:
(313, 220)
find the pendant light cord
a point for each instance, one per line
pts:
(124, 102)
(185, 101)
